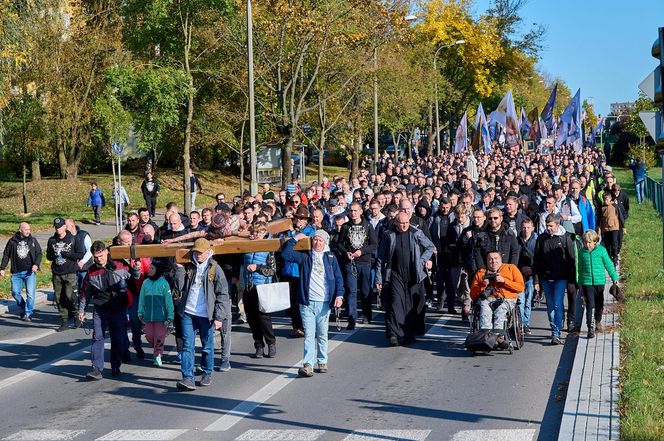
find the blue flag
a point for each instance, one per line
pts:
(572, 119)
(547, 112)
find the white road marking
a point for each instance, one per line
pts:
(495, 435)
(388, 435)
(45, 435)
(143, 435)
(24, 340)
(245, 408)
(280, 435)
(64, 360)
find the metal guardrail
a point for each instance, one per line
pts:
(653, 192)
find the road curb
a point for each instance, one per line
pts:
(10, 306)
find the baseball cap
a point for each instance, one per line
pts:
(201, 245)
(58, 222)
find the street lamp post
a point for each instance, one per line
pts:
(252, 118)
(407, 18)
(435, 68)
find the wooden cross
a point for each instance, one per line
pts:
(230, 245)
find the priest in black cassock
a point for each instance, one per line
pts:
(402, 257)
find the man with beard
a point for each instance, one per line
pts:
(356, 244)
(401, 262)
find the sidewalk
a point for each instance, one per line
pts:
(591, 406)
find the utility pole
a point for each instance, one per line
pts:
(375, 109)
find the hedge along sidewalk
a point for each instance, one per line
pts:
(642, 332)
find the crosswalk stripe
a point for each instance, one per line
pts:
(142, 435)
(235, 415)
(495, 435)
(388, 435)
(280, 435)
(44, 435)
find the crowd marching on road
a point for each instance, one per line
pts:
(444, 233)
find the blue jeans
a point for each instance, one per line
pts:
(315, 317)
(526, 299)
(554, 292)
(205, 327)
(639, 187)
(29, 279)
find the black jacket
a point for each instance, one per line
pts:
(149, 193)
(555, 256)
(23, 252)
(504, 241)
(64, 253)
(369, 243)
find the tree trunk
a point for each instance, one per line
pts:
(430, 131)
(186, 159)
(321, 152)
(286, 151)
(35, 171)
(25, 191)
(62, 161)
(356, 147)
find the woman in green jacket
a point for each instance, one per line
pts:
(593, 260)
(155, 309)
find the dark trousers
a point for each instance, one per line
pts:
(96, 209)
(113, 320)
(135, 325)
(452, 274)
(151, 204)
(358, 276)
(65, 293)
(571, 298)
(260, 323)
(611, 241)
(594, 296)
(294, 310)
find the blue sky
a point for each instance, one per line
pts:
(600, 46)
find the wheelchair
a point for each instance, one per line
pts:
(513, 330)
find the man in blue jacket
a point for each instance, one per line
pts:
(320, 288)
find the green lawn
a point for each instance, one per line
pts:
(642, 333)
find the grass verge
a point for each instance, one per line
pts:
(642, 332)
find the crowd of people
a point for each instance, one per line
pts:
(430, 235)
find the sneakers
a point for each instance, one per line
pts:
(591, 334)
(555, 341)
(526, 330)
(26, 318)
(140, 353)
(322, 368)
(271, 351)
(225, 366)
(297, 333)
(259, 352)
(93, 375)
(157, 361)
(63, 327)
(116, 372)
(452, 311)
(394, 341)
(241, 320)
(206, 380)
(305, 371)
(178, 358)
(22, 315)
(186, 385)
(77, 323)
(351, 324)
(429, 303)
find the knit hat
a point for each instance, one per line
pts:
(323, 235)
(291, 188)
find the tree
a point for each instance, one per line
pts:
(177, 34)
(634, 124)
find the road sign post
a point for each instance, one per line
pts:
(117, 151)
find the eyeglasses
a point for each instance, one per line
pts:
(494, 217)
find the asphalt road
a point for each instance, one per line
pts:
(433, 390)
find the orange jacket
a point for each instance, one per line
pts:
(509, 289)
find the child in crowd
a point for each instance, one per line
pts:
(96, 200)
(611, 222)
(155, 309)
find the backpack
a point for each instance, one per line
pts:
(482, 341)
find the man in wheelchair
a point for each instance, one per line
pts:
(496, 289)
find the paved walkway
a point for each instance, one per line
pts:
(591, 406)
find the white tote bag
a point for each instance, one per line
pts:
(273, 297)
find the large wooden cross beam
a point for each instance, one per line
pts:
(230, 245)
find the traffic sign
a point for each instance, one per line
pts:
(117, 148)
(652, 122)
(647, 86)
